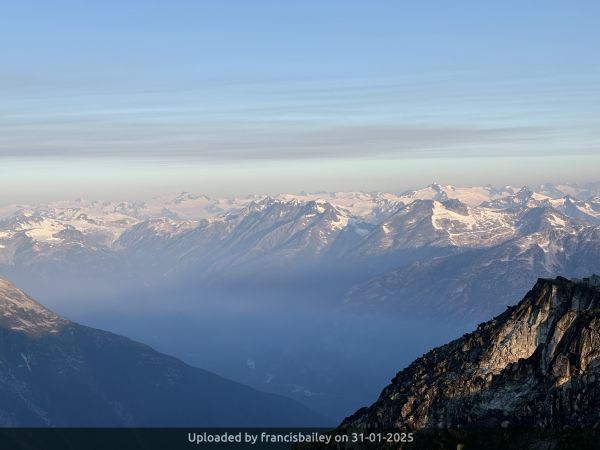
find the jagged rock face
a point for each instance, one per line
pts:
(535, 365)
(19, 312)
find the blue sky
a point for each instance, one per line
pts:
(129, 99)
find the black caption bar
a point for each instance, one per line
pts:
(296, 438)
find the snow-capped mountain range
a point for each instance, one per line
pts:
(403, 250)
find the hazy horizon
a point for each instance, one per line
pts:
(37, 199)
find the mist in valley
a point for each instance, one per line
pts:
(293, 338)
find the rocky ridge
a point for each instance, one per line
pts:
(537, 365)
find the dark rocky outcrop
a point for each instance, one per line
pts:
(536, 366)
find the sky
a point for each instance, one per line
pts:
(130, 99)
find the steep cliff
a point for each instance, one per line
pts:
(536, 365)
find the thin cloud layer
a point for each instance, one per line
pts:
(253, 140)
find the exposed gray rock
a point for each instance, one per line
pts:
(536, 365)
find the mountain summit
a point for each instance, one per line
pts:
(19, 312)
(537, 365)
